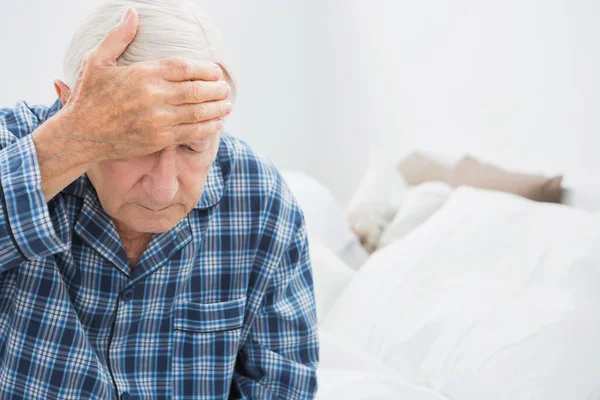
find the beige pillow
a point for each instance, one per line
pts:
(418, 168)
(471, 172)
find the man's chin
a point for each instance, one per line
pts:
(153, 226)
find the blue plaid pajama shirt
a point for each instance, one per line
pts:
(220, 306)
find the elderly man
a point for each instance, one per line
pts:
(143, 253)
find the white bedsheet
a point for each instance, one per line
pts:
(346, 373)
(493, 297)
(359, 385)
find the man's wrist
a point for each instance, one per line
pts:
(61, 158)
(84, 152)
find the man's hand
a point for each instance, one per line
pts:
(121, 112)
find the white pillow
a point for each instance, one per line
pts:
(376, 200)
(330, 276)
(325, 218)
(419, 203)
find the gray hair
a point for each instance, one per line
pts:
(167, 28)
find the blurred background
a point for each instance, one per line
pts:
(513, 82)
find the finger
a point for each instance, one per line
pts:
(185, 133)
(177, 69)
(194, 113)
(117, 39)
(191, 92)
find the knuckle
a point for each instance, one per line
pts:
(183, 67)
(143, 95)
(142, 68)
(179, 64)
(147, 91)
(159, 115)
(164, 63)
(90, 59)
(167, 62)
(197, 91)
(198, 113)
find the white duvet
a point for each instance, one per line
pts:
(347, 373)
(493, 297)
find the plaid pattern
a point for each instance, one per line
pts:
(220, 306)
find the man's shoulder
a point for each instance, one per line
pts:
(243, 167)
(247, 174)
(22, 119)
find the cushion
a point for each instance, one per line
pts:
(376, 200)
(471, 172)
(325, 218)
(419, 203)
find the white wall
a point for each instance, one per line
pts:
(267, 40)
(35, 35)
(513, 82)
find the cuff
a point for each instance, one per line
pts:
(36, 233)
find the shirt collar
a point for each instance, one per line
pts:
(213, 187)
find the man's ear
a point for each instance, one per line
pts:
(62, 91)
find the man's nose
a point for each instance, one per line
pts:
(163, 180)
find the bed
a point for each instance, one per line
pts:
(490, 296)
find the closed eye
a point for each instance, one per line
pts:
(190, 149)
(198, 146)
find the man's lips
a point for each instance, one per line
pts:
(155, 209)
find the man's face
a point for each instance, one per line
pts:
(150, 194)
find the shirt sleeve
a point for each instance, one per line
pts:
(30, 227)
(280, 355)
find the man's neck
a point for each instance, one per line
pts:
(134, 243)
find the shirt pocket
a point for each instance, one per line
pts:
(205, 343)
(209, 317)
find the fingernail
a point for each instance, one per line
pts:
(217, 71)
(225, 90)
(125, 16)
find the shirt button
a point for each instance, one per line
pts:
(125, 396)
(127, 295)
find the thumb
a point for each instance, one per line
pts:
(117, 39)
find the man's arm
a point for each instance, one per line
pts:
(35, 167)
(280, 355)
(29, 227)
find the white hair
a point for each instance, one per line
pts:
(167, 28)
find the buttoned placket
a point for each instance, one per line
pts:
(121, 317)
